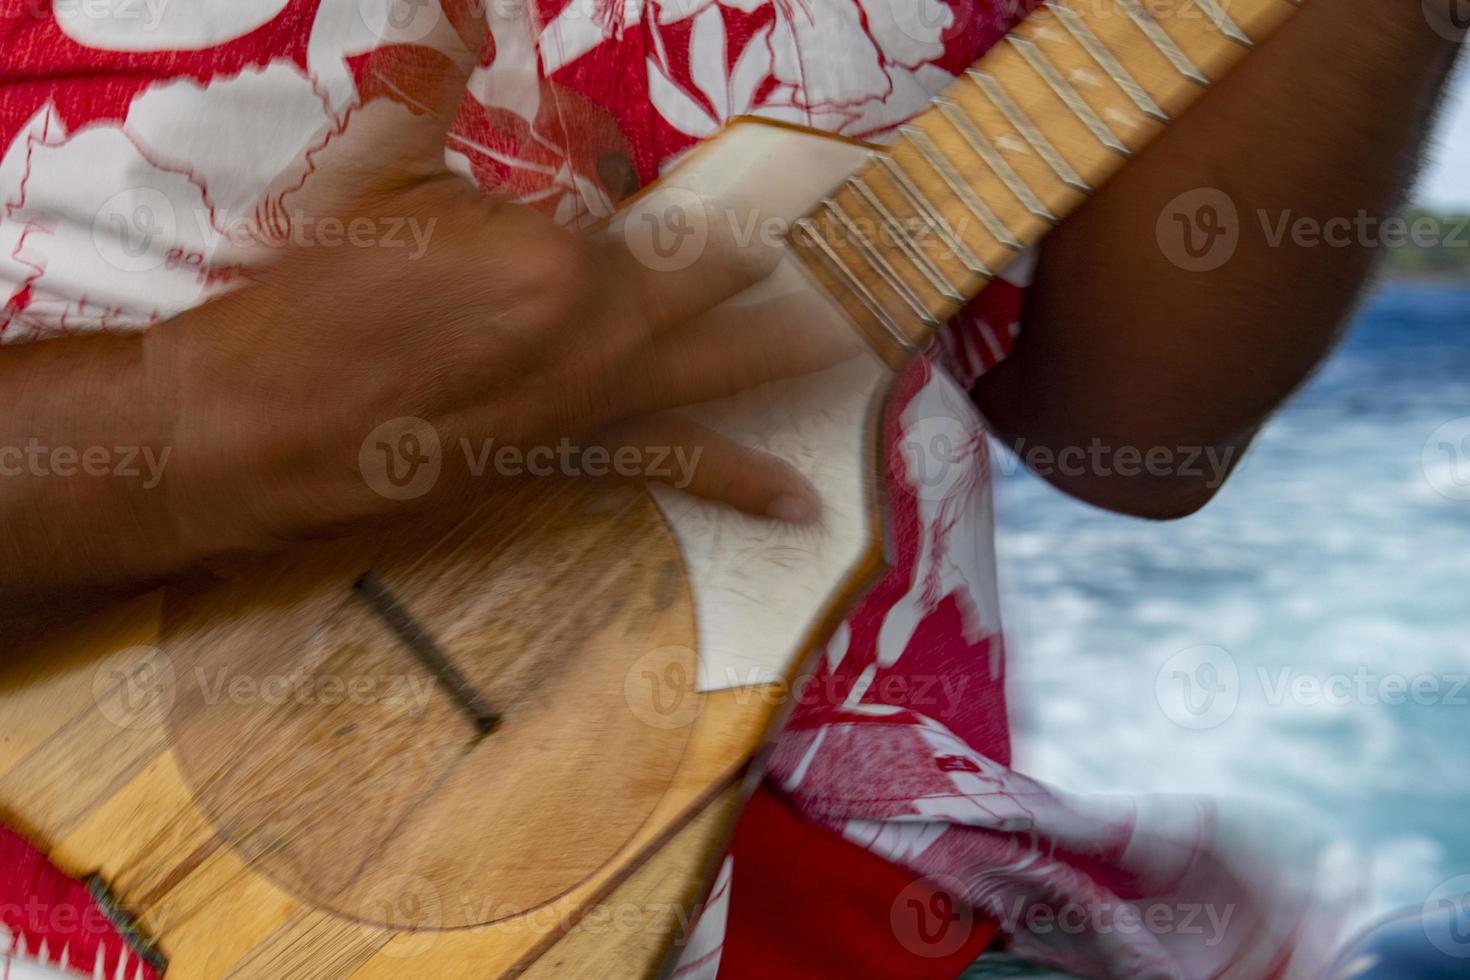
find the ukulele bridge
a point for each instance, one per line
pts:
(422, 646)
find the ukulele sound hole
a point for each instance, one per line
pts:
(331, 752)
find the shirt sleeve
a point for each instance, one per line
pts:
(982, 334)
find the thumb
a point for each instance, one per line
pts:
(423, 85)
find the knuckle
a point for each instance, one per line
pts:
(550, 269)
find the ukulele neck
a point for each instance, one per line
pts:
(1011, 147)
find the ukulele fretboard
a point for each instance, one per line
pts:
(1012, 146)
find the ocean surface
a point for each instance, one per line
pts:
(1305, 638)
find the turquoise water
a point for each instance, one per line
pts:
(1332, 577)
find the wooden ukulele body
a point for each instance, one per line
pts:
(267, 779)
(634, 645)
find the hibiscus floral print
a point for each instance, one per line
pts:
(144, 146)
(139, 161)
(221, 106)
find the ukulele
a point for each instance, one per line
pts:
(512, 742)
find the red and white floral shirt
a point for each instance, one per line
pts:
(134, 134)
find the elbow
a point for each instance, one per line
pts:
(1152, 500)
(1163, 500)
(1158, 484)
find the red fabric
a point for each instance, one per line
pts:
(828, 908)
(134, 154)
(42, 909)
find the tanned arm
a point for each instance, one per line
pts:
(1121, 347)
(239, 426)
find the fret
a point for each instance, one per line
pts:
(987, 152)
(1070, 97)
(1053, 111)
(915, 254)
(855, 286)
(958, 186)
(916, 257)
(1160, 39)
(878, 263)
(1223, 22)
(1113, 106)
(1078, 28)
(926, 209)
(1027, 129)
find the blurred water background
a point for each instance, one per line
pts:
(1331, 574)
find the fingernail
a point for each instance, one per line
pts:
(792, 509)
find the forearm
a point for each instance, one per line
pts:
(1123, 345)
(126, 458)
(85, 449)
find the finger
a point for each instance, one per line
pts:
(469, 19)
(735, 347)
(701, 462)
(427, 83)
(683, 254)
